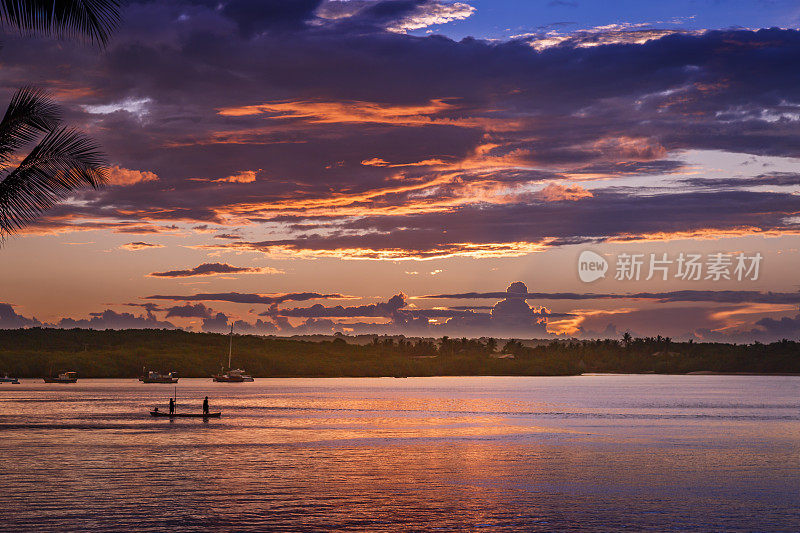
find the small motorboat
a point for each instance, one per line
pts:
(156, 412)
(8, 379)
(65, 377)
(157, 377)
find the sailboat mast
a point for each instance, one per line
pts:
(230, 346)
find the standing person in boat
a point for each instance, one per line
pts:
(205, 406)
(172, 406)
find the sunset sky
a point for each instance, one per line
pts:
(394, 166)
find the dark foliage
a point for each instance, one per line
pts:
(123, 354)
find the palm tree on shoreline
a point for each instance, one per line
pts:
(627, 339)
(63, 159)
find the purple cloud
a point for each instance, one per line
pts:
(249, 298)
(207, 269)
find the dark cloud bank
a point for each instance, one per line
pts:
(157, 100)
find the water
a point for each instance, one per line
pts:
(423, 454)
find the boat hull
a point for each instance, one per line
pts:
(162, 414)
(13, 381)
(160, 380)
(225, 378)
(60, 380)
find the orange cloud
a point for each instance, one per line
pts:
(133, 246)
(572, 325)
(728, 317)
(555, 192)
(69, 223)
(464, 249)
(245, 176)
(343, 112)
(359, 112)
(702, 234)
(625, 147)
(377, 162)
(124, 176)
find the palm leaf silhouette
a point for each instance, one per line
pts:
(92, 19)
(62, 161)
(29, 114)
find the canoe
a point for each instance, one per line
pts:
(185, 415)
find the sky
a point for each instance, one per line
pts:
(426, 168)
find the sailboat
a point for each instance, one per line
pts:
(233, 375)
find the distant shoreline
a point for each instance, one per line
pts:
(588, 374)
(128, 354)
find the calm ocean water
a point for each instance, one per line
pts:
(424, 454)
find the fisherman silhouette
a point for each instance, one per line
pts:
(171, 406)
(205, 406)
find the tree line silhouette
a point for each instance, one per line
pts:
(36, 352)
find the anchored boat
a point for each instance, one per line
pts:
(157, 377)
(235, 375)
(7, 379)
(65, 377)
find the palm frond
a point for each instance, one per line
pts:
(92, 19)
(30, 113)
(63, 161)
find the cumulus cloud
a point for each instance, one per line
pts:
(9, 319)
(189, 311)
(511, 316)
(216, 324)
(609, 34)
(125, 176)
(259, 327)
(389, 309)
(785, 327)
(245, 176)
(110, 319)
(397, 16)
(213, 269)
(431, 13)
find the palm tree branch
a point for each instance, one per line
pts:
(94, 19)
(29, 114)
(63, 161)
